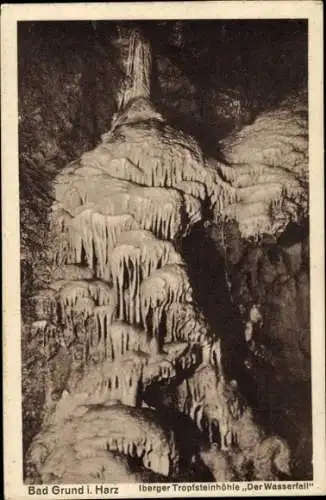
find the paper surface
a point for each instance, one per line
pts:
(151, 211)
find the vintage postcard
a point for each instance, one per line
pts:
(163, 236)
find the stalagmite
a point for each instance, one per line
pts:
(272, 459)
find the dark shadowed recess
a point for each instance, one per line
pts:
(275, 395)
(208, 275)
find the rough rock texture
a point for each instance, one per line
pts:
(267, 163)
(118, 287)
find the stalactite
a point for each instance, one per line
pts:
(101, 160)
(163, 287)
(211, 402)
(127, 338)
(185, 323)
(101, 293)
(71, 272)
(131, 431)
(88, 430)
(183, 356)
(72, 291)
(39, 328)
(49, 335)
(96, 234)
(99, 339)
(159, 370)
(220, 192)
(135, 168)
(158, 210)
(83, 306)
(107, 196)
(193, 210)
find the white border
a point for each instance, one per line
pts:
(10, 14)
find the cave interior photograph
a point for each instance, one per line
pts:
(164, 244)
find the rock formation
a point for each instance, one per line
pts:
(267, 163)
(119, 317)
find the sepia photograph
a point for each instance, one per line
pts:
(165, 228)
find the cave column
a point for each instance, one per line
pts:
(136, 61)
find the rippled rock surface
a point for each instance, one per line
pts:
(128, 314)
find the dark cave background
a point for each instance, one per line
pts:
(209, 78)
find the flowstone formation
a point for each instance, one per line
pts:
(267, 163)
(120, 320)
(266, 257)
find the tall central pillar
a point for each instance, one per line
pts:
(136, 62)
